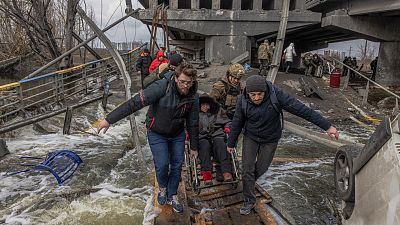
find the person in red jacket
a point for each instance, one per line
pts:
(160, 58)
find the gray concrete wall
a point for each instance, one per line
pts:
(388, 64)
(224, 48)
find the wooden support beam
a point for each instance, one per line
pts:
(67, 121)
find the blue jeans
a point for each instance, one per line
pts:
(168, 155)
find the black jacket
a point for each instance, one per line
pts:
(262, 122)
(143, 64)
(168, 112)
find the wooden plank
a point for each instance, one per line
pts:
(221, 217)
(264, 193)
(238, 219)
(167, 215)
(264, 214)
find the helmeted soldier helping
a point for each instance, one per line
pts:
(306, 60)
(174, 106)
(313, 64)
(259, 113)
(213, 128)
(264, 57)
(226, 90)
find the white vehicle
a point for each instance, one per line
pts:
(367, 179)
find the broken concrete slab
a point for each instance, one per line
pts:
(3, 148)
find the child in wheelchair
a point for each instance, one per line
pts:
(213, 129)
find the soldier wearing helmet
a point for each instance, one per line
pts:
(227, 89)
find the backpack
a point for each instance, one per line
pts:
(274, 101)
(154, 76)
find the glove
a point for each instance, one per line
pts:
(227, 130)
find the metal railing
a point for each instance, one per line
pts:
(39, 95)
(367, 87)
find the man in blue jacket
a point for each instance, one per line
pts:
(259, 113)
(174, 105)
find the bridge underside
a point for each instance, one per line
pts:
(221, 35)
(371, 20)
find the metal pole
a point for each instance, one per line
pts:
(125, 75)
(280, 39)
(78, 46)
(19, 124)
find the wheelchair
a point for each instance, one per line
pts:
(194, 179)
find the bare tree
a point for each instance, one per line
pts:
(366, 51)
(33, 17)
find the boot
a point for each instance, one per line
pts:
(247, 207)
(207, 177)
(219, 177)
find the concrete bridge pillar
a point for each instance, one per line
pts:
(237, 5)
(216, 4)
(388, 64)
(153, 4)
(195, 4)
(257, 5)
(173, 4)
(277, 4)
(225, 48)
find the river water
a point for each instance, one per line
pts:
(111, 186)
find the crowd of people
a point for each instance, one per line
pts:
(211, 122)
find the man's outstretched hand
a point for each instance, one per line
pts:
(333, 132)
(103, 125)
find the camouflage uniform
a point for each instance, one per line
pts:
(271, 51)
(264, 56)
(227, 94)
(306, 59)
(317, 64)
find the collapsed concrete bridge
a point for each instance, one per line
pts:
(220, 30)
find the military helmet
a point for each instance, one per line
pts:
(235, 70)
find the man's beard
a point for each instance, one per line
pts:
(183, 91)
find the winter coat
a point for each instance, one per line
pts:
(143, 64)
(169, 112)
(262, 122)
(156, 62)
(212, 123)
(289, 52)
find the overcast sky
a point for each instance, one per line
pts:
(107, 11)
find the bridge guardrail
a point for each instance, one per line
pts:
(40, 94)
(369, 81)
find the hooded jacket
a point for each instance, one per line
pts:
(143, 64)
(156, 62)
(212, 123)
(262, 122)
(289, 52)
(169, 112)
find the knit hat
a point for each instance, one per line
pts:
(146, 50)
(175, 59)
(256, 83)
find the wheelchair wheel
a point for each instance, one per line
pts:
(234, 185)
(196, 187)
